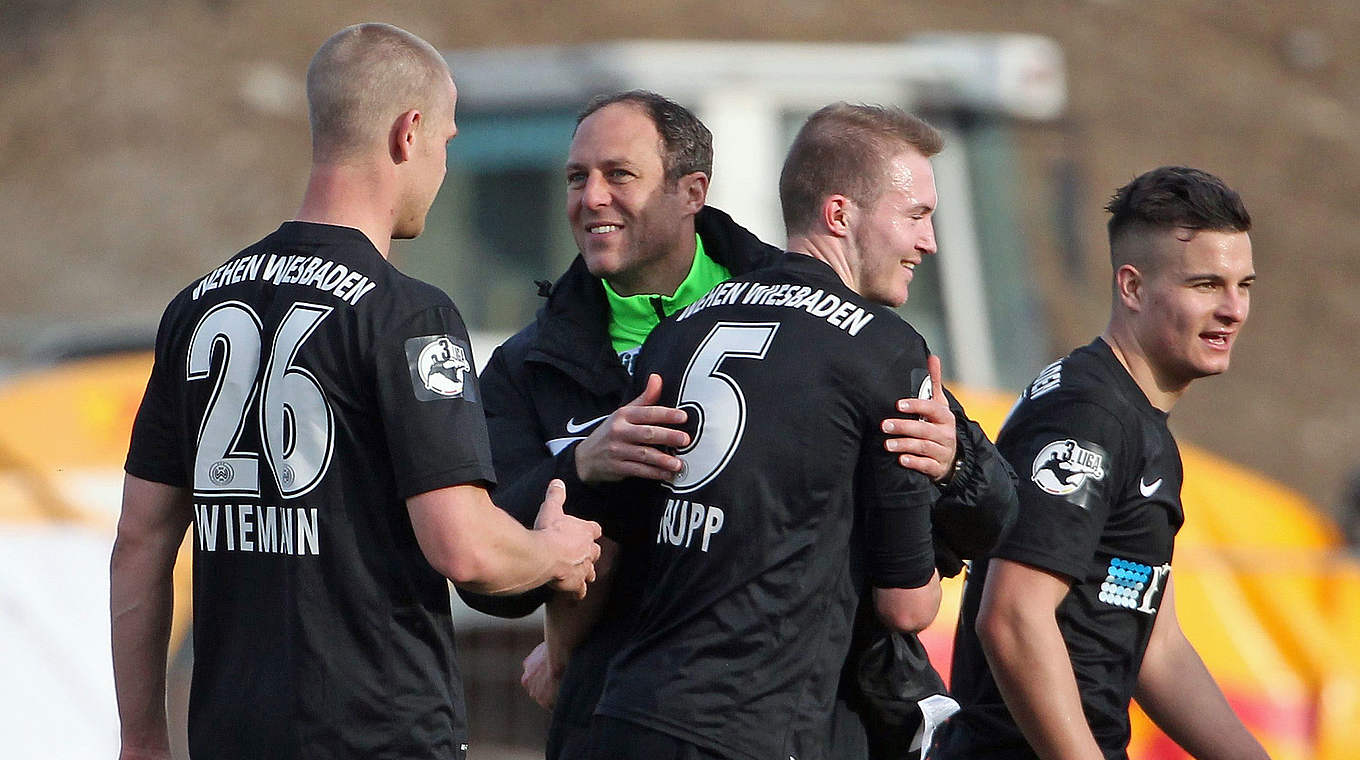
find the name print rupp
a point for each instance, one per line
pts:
(682, 519)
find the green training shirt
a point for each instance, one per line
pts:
(632, 318)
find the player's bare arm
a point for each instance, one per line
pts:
(567, 621)
(927, 438)
(480, 547)
(629, 443)
(908, 610)
(1017, 626)
(141, 597)
(1177, 691)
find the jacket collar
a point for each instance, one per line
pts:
(573, 326)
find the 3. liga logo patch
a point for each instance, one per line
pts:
(440, 365)
(1063, 466)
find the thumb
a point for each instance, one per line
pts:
(553, 500)
(936, 384)
(651, 394)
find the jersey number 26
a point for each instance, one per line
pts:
(296, 422)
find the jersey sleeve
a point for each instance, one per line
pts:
(979, 503)
(430, 404)
(523, 465)
(1065, 454)
(156, 452)
(894, 502)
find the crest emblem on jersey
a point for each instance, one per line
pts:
(439, 367)
(1064, 466)
(221, 473)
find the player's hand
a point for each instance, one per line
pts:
(929, 443)
(539, 680)
(572, 542)
(628, 443)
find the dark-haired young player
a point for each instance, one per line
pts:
(1075, 610)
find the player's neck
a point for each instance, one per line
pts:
(828, 251)
(1161, 392)
(349, 196)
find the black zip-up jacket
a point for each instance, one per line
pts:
(548, 386)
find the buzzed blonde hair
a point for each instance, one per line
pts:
(362, 79)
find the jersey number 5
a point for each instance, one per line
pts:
(716, 401)
(296, 423)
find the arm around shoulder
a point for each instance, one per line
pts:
(980, 501)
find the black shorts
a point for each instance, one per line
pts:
(614, 739)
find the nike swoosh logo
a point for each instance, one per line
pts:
(573, 427)
(1148, 489)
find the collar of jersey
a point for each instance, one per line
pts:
(1129, 387)
(632, 318)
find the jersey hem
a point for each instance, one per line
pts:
(656, 723)
(473, 474)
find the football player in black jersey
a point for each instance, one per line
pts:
(750, 580)
(313, 413)
(553, 392)
(1075, 610)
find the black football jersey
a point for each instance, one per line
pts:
(748, 597)
(1100, 483)
(302, 390)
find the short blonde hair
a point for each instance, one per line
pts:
(845, 149)
(362, 79)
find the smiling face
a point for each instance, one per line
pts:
(1193, 303)
(632, 226)
(896, 232)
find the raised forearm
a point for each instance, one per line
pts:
(480, 547)
(567, 621)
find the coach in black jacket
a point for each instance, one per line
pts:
(547, 387)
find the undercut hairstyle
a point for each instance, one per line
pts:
(362, 79)
(1166, 199)
(686, 144)
(845, 149)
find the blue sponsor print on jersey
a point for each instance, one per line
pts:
(1124, 583)
(1134, 585)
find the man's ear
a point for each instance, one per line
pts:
(401, 140)
(838, 215)
(1129, 287)
(694, 188)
